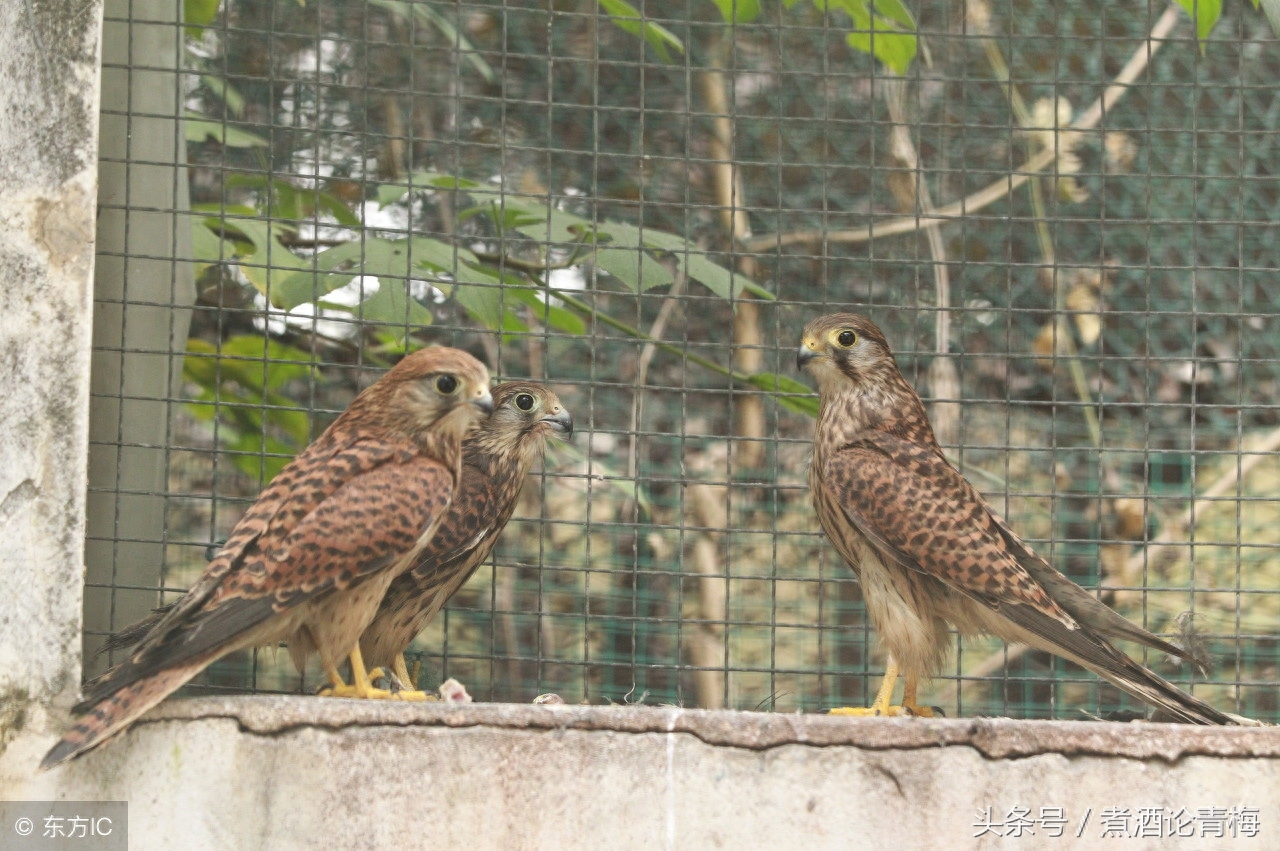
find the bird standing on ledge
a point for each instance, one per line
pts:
(310, 560)
(496, 458)
(927, 548)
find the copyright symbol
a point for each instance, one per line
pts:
(23, 826)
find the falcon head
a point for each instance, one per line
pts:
(843, 351)
(438, 392)
(524, 414)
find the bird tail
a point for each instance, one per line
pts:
(114, 713)
(134, 633)
(1172, 703)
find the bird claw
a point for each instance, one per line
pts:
(394, 683)
(397, 691)
(855, 711)
(888, 711)
(371, 693)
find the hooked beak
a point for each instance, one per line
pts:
(561, 422)
(804, 356)
(484, 402)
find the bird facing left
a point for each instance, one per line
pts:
(310, 560)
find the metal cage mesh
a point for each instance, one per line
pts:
(294, 194)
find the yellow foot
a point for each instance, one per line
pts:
(888, 711)
(372, 693)
(361, 686)
(880, 706)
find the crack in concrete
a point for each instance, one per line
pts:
(1002, 740)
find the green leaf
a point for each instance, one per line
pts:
(628, 19)
(895, 11)
(198, 14)
(338, 209)
(791, 394)
(275, 199)
(285, 363)
(1205, 13)
(453, 36)
(207, 247)
(237, 386)
(550, 315)
(711, 275)
(220, 210)
(225, 93)
(198, 129)
(1270, 8)
(896, 51)
(260, 458)
(486, 305)
(280, 199)
(619, 247)
(512, 217)
(481, 290)
(392, 306)
(386, 259)
(425, 14)
(883, 28)
(269, 265)
(756, 290)
(636, 270)
(738, 11)
(389, 193)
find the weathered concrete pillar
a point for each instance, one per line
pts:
(144, 290)
(48, 179)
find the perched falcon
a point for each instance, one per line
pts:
(312, 557)
(927, 548)
(496, 458)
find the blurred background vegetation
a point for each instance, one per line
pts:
(643, 203)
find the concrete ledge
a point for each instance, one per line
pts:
(291, 772)
(994, 738)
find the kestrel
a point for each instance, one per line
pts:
(496, 458)
(312, 557)
(927, 548)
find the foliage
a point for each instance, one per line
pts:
(239, 388)
(883, 28)
(1205, 13)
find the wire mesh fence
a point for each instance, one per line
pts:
(1059, 212)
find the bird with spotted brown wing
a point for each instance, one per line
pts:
(929, 551)
(311, 559)
(496, 458)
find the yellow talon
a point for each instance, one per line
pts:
(402, 671)
(361, 686)
(881, 706)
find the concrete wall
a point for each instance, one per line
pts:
(48, 174)
(295, 772)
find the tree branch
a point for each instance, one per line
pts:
(988, 195)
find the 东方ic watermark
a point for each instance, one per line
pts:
(59, 825)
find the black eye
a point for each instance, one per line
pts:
(446, 384)
(524, 402)
(847, 338)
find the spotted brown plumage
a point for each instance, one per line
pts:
(928, 549)
(497, 457)
(311, 558)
